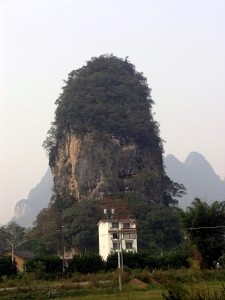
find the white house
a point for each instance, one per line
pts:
(116, 234)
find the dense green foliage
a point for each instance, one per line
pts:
(204, 225)
(35, 245)
(6, 266)
(3, 239)
(143, 259)
(82, 219)
(45, 237)
(80, 227)
(159, 231)
(87, 263)
(93, 263)
(44, 265)
(10, 234)
(158, 226)
(107, 95)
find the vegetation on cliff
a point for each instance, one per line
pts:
(108, 99)
(107, 95)
(110, 102)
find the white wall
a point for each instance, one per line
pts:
(105, 237)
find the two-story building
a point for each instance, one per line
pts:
(117, 234)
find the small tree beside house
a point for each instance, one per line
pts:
(7, 267)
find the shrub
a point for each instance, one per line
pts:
(144, 276)
(141, 260)
(86, 263)
(6, 266)
(45, 266)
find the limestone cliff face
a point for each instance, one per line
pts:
(21, 208)
(91, 168)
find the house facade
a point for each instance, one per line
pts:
(117, 234)
(21, 257)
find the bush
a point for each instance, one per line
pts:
(45, 266)
(141, 260)
(115, 278)
(131, 260)
(6, 266)
(86, 263)
(174, 260)
(143, 275)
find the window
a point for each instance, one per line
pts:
(128, 236)
(126, 225)
(115, 225)
(128, 246)
(114, 236)
(115, 246)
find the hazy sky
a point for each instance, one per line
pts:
(179, 45)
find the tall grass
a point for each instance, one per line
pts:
(196, 284)
(188, 284)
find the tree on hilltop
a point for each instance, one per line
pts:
(107, 95)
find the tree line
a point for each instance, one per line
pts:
(160, 229)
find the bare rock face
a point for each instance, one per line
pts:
(93, 168)
(21, 208)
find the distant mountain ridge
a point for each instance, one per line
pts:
(26, 210)
(198, 177)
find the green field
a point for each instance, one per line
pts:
(210, 290)
(129, 292)
(184, 284)
(129, 295)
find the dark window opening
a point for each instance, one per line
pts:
(115, 246)
(128, 246)
(114, 235)
(115, 225)
(126, 225)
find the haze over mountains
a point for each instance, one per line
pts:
(198, 177)
(195, 173)
(26, 210)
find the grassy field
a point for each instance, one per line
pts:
(208, 290)
(131, 291)
(186, 284)
(129, 295)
